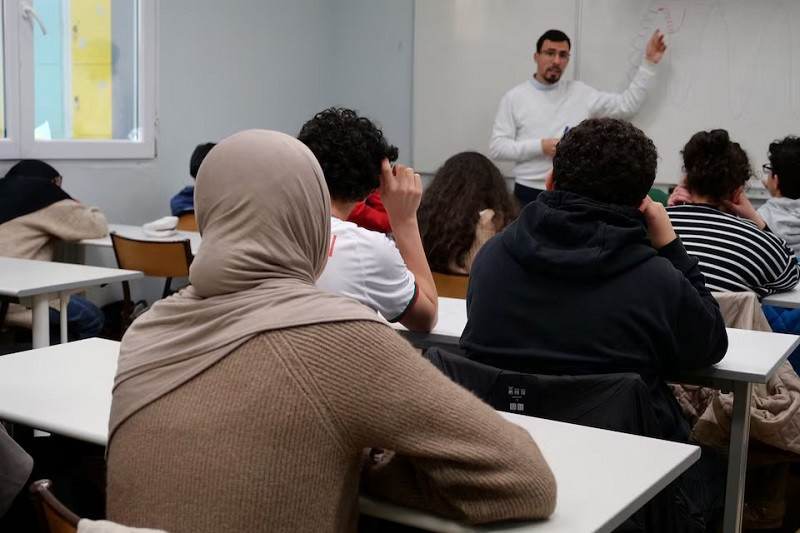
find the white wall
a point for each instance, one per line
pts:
(372, 63)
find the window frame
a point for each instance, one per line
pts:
(18, 77)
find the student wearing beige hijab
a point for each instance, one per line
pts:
(245, 402)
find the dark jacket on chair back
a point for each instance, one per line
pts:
(575, 287)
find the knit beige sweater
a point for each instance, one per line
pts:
(35, 235)
(272, 438)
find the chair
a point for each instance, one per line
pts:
(618, 402)
(51, 514)
(187, 222)
(451, 285)
(169, 259)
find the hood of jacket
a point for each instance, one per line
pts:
(569, 236)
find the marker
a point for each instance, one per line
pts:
(566, 129)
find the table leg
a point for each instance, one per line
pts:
(737, 461)
(64, 300)
(41, 320)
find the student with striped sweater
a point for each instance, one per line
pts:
(718, 224)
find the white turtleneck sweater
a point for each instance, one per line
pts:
(533, 111)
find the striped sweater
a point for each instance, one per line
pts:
(734, 254)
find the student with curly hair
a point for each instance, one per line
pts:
(392, 277)
(782, 211)
(591, 279)
(466, 203)
(719, 226)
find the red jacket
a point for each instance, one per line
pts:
(370, 214)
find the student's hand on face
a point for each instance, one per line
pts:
(549, 147)
(401, 192)
(741, 207)
(680, 195)
(659, 226)
(655, 47)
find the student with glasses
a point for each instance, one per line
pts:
(782, 180)
(534, 115)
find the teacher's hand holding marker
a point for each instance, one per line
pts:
(549, 145)
(531, 115)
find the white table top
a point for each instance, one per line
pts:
(136, 232)
(752, 355)
(24, 277)
(790, 299)
(64, 389)
(602, 476)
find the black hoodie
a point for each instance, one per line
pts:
(575, 287)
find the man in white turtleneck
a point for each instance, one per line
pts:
(535, 114)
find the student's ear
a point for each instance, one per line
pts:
(683, 180)
(736, 193)
(549, 182)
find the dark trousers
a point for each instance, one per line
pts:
(525, 195)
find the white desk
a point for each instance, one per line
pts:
(603, 476)
(63, 389)
(790, 299)
(752, 357)
(39, 282)
(136, 232)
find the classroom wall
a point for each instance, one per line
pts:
(223, 67)
(372, 63)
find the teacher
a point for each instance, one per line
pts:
(535, 114)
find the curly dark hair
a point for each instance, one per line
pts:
(350, 150)
(784, 156)
(606, 159)
(464, 186)
(200, 153)
(715, 166)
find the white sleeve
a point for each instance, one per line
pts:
(389, 285)
(625, 104)
(504, 143)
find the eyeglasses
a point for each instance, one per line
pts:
(550, 53)
(767, 169)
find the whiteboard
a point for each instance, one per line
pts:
(730, 64)
(467, 54)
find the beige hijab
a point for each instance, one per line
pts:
(264, 212)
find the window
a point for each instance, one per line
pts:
(78, 79)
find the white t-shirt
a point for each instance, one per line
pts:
(366, 266)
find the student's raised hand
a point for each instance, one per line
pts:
(655, 47)
(659, 226)
(401, 192)
(740, 206)
(680, 195)
(549, 147)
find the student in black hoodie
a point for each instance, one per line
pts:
(591, 279)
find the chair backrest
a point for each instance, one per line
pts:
(52, 515)
(619, 402)
(168, 259)
(451, 285)
(187, 222)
